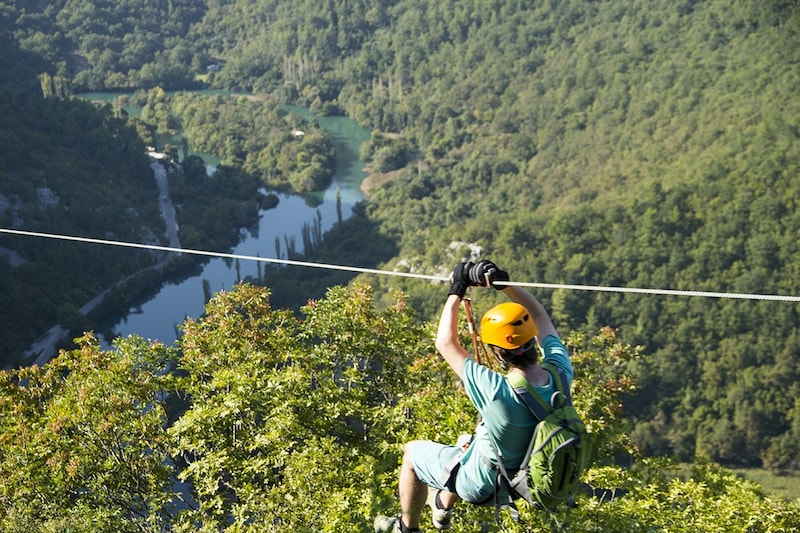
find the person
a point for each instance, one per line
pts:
(438, 475)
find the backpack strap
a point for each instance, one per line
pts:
(540, 409)
(501, 482)
(531, 397)
(559, 380)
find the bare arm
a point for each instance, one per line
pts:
(537, 310)
(447, 336)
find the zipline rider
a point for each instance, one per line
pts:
(515, 332)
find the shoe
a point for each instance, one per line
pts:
(386, 524)
(441, 517)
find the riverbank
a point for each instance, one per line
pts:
(45, 347)
(166, 303)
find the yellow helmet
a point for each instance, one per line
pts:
(508, 325)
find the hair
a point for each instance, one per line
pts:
(523, 357)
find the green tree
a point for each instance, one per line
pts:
(84, 440)
(658, 496)
(636, 145)
(279, 421)
(284, 410)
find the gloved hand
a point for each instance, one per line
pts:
(460, 279)
(484, 272)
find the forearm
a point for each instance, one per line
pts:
(539, 314)
(447, 335)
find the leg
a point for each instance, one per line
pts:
(424, 463)
(441, 503)
(413, 492)
(448, 499)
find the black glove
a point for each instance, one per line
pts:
(485, 271)
(460, 279)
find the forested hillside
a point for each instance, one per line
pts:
(98, 44)
(601, 143)
(68, 167)
(65, 167)
(620, 143)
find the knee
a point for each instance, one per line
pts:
(409, 444)
(408, 452)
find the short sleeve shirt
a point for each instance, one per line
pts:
(507, 423)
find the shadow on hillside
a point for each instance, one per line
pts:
(20, 68)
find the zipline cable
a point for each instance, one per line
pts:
(595, 288)
(217, 254)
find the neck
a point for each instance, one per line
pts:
(535, 374)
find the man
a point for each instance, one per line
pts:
(515, 332)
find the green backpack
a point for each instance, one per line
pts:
(559, 449)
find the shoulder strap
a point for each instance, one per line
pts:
(538, 405)
(559, 379)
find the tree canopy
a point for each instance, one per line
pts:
(264, 420)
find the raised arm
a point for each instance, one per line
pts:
(539, 314)
(447, 335)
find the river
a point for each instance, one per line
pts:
(158, 317)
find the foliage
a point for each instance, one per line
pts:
(213, 224)
(84, 445)
(385, 153)
(285, 151)
(595, 143)
(604, 378)
(112, 44)
(710, 498)
(67, 168)
(253, 136)
(73, 168)
(785, 486)
(274, 421)
(288, 411)
(605, 145)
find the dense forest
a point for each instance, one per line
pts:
(282, 150)
(622, 144)
(82, 174)
(596, 143)
(70, 167)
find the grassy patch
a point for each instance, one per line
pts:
(786, 487)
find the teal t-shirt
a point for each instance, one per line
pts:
(507, 423)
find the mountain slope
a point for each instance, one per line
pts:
(602, 143)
